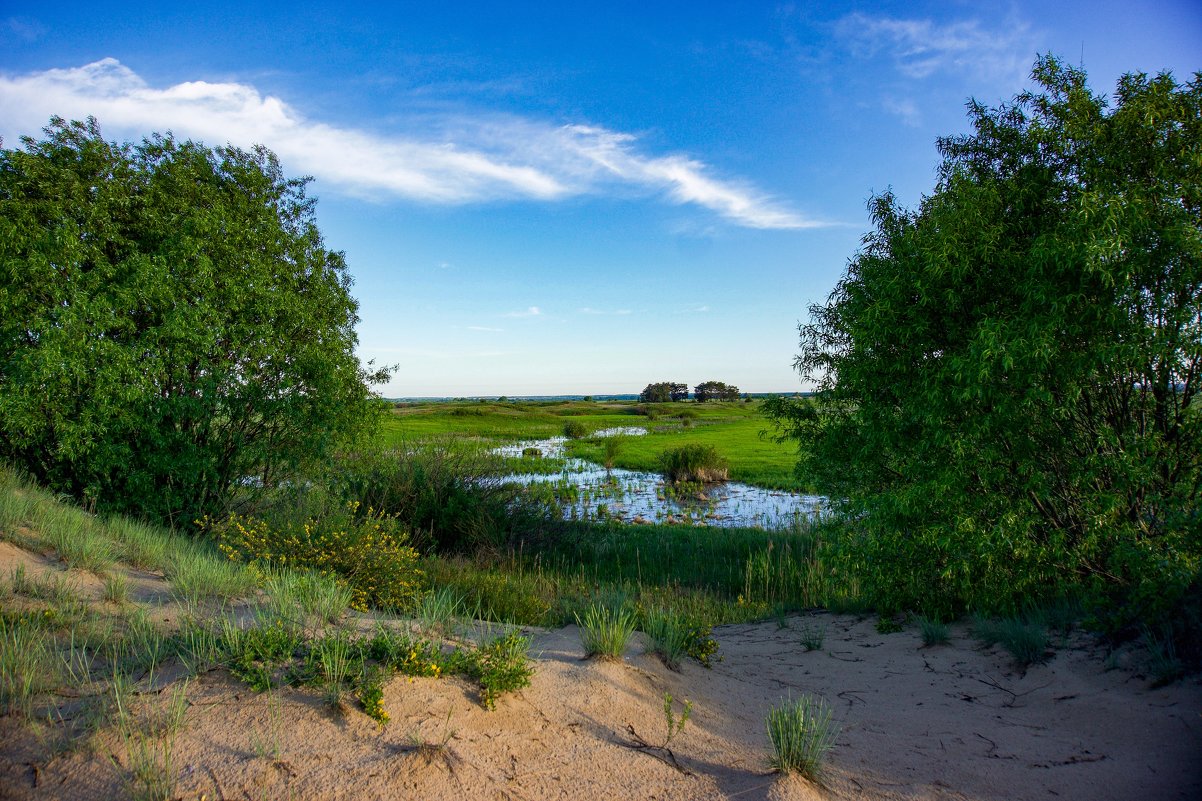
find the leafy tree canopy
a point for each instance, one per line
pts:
(663, 392)
(715, 390)
(1008, 374)
(172, 326)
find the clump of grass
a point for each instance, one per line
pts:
(693, 462)
(302, 597)
(334, 654)
(150, 741)
(801, 732)
(669, 636)
(813, 636)
(116, 587)
(604, 631)
(28, 666)
(142, 545)
(439, 611)
(933, 631)
(197, 575)
(197, 646)
(75, 537)
(1162, 660)
(1027, 641)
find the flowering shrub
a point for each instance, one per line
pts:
(366, 553)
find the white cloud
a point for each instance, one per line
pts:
(921, 47)
(484, 328)
(905, 109)
(463, 159)
(532, 311)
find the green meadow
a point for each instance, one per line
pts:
(738, 431)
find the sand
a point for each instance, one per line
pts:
(954, 721)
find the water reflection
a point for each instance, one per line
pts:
(589, 491)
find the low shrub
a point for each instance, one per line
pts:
(368, 553)
(693, 462)
(450, 494)
(574, 429)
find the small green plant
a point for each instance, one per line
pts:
(933, 632)
(503, 666)
(371, 695)
(431, 750)
(197, 646)
(604, 631)
(813, 636)
(888, 625)
(1026, 641)
(675, 724)
(267, 744)
(669, 636)
(702, 646)
(574, 429)
(801, 732)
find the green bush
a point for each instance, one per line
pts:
(449, 493)
(693, 462)
(574, 429)
(366, 552)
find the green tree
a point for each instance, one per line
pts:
(715, 390)
(663, 392)
(1008, 374)
(172, 327)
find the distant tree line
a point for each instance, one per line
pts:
(666, 391)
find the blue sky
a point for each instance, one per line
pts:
(541, 198)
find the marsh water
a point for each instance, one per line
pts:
(589, 491)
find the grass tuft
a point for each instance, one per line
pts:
(669, 636)
(801, 733)
(605, 631)
(933, 632)
(1027, 641)
(813, 636)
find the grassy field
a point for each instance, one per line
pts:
(736, 430)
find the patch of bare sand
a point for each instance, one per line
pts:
(954, 722)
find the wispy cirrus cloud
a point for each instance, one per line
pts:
(532, 311)
(920, 48)
(454, 160)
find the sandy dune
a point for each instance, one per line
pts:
(953, 721)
